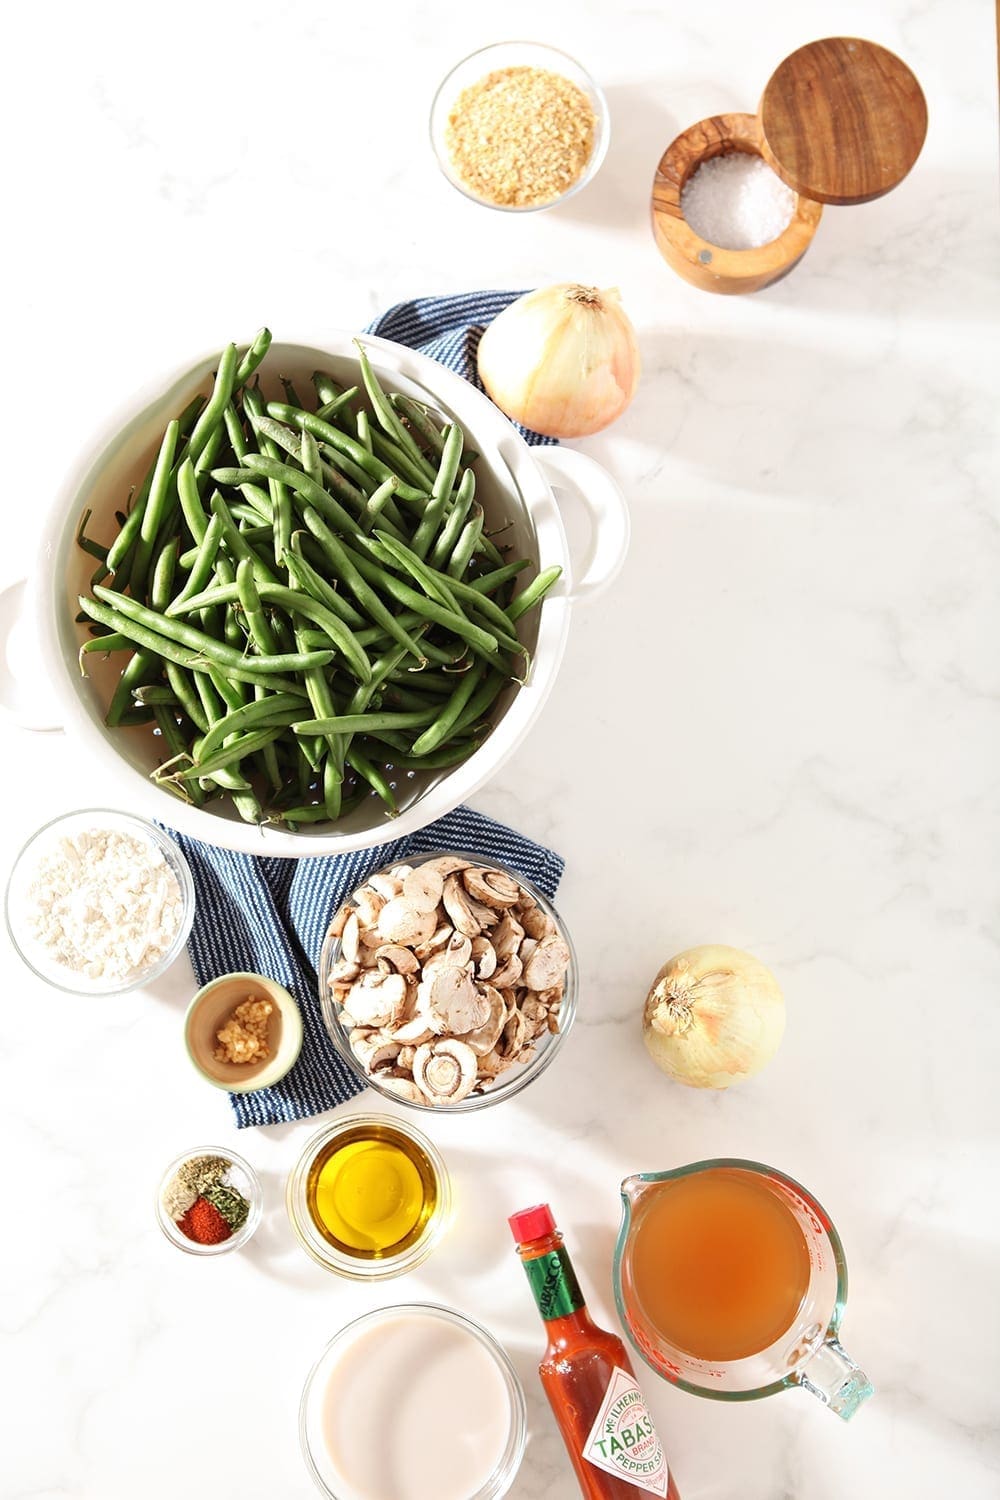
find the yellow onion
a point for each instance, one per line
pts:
(713, 1016)
(563, 360)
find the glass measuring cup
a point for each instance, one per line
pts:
(807, 1354)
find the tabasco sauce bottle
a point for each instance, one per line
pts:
(587, 1377)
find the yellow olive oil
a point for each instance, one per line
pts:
(371, 1192)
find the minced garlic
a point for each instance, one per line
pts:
(521, 136)
(244, 1037)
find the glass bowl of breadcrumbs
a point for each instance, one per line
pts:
(519, 126)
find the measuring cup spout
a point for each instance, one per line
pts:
(836, 1379)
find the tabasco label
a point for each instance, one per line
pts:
(623, 1439)
(554, 1284)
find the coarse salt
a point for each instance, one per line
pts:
(736, 202)
(104, 904)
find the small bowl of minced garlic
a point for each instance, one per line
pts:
(243, 1032)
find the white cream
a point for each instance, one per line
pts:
(408, 1406)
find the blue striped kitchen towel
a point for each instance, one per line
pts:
(269, 916)
(448, 329)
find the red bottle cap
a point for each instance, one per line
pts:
(532, 1223)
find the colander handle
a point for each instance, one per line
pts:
(607, 509)
(28, 710)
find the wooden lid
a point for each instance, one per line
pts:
(842, 120)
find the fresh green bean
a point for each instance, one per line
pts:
(87, 543)
(345, 444)
(452, 528)
(386, 414)
(190, 498)
(141, 669)
(174, 741)
(449, 755)
(291, 395)
(373, 776)
(304, 576)
(444, 483)
(104, 645)
(234, 431)
(433, 585)
(229, 755)
(363, 723)
(325, 386)
(420, 418)
(186, 694)
(443, 726)
(226, 684)
(201, 568)
(364, 431)
(164, 570)
(252, 356)
(170, 630)
(263, 713)
(337, 405)
(237, 543)
(246, 588)
(479, 639)
(213, 446)
(296, 601)
(152, 515)
(153, 693)
(351, 574)
(377, 502)
(466, 544)
(535, 591)
(398, 462)
(488, 583)
(211, 416)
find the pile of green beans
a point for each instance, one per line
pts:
(308, 596)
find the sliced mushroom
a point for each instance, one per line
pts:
(438, 938)
(339, 921)
(458, 904)
(486, 1036)
(386, 885)
(368, 903)
(422, 887)
(405, 1058)
(446, 864)
(376, 999)
(537, 923)
(350, 942)
(405, 1088)
(400, 921)
(484, 956)
(400, 872)
(361, 1034)
(376, 1052)
(507, 936)
(456, 954)
(343, 971)
(514, 1035)
(403, 960)
(527, 948)
(547, 965)
(451, 1003)
(446, 1070)
(509, 973)
(491, 1064)
(491, 887)
(412, 1033)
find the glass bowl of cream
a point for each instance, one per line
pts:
(441, 1393)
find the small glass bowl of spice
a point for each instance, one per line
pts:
(209, 1201)
(99, 902)
(519, 126)
(243, 1032)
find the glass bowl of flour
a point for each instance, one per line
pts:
(99, 902)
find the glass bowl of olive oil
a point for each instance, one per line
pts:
(369, 1198)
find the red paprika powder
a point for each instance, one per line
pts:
(204, 1224)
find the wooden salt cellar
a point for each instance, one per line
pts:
(841, 121)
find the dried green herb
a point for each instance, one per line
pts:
(233, 1207)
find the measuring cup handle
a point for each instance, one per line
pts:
(838, 1381)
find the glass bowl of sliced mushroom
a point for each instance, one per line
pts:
(447, 982)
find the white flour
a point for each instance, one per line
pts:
(104, 904)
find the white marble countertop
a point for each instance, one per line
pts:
(780, 730)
